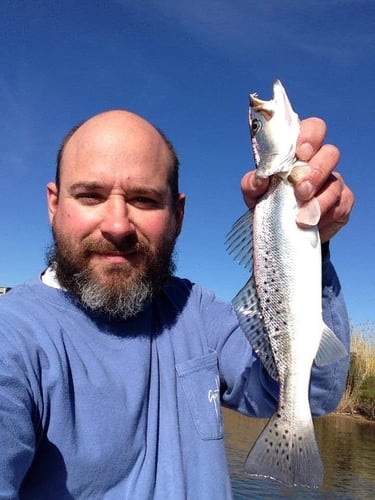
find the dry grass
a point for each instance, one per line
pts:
(359, 395)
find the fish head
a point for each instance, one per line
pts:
(274, 129)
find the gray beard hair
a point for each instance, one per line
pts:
(116, 299)
(121, 305)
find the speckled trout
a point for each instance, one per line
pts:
(280, 307)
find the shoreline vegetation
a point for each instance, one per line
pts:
(359, 396)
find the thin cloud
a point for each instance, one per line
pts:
(257, 26)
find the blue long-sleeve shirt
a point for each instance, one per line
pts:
(131, 409)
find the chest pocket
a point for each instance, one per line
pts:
(200, 381)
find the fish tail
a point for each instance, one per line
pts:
(289, 455)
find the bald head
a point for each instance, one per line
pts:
(114, 130)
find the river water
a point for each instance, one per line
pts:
(347, 448)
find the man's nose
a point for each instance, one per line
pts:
(116, 221)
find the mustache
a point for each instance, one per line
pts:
(127, 245)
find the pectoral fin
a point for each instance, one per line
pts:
(330, 349)
(239, 241)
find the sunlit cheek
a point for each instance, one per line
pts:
(76, 221)
(163, 227)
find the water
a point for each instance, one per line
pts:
(347, 447)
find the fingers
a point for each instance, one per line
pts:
(252, 188)
(319, 179)
(311, 137)
(336, 201)
(321, 165)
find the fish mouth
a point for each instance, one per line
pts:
(265, 108)
(255, 102)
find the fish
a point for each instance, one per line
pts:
(280, 307)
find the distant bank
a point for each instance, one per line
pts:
(359, 396)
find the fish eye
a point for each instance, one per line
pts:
(256, 125)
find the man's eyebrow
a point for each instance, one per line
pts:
(85, 185)
(136, 189)
(139, 189)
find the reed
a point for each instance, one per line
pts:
(359, 395)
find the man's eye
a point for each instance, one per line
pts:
(144, 202)
(89, 198)
(144, 199)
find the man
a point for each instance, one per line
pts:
(106, 361)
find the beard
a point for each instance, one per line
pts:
(117, 290)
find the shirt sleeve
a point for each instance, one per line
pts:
(17, 437)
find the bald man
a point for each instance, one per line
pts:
(112, 369)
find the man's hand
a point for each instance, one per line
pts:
(317, 179)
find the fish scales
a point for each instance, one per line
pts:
(280, 308)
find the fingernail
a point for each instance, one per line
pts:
(299, 173)
(305, 151)
(305, 190)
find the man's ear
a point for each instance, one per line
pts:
(180, 212)
(52, 200)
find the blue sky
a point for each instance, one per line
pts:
(188, 67)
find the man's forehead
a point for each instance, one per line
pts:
(115, 126)
(118, 139)
(117, 132)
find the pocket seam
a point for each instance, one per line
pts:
(207, 419)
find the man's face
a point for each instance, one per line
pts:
(113, 219)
